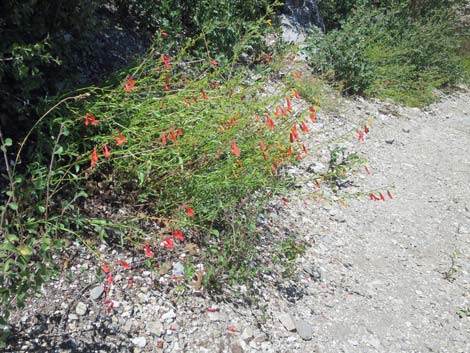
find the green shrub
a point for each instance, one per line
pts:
(385, 52)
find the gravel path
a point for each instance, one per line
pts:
(378, 276)
(388, 283)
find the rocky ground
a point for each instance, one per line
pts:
(377, 276)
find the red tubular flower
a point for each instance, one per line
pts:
(367, 170)
(87, 119)
(215, 63)
(304, 127)
(294, 134)
(163, 138)
(360, 135)
(178, 234)
(269, 122)
(313, 117)
(148, 252)
(105, 267)
(312, 109)
(166, 61)
(94, 157)
(189, 210)
(317, 183)
(382, 196)
(110, 279)
(277, 113)
(299, 156)
(283, 111)
(215, 84)
(262, 145)
(124, 264)
(129, 84)
(172, 136)
(304, 149)
(166, 88)
(289, 105)
(106, 152)
(204, 95)
(90, 119)
(366, 129)
(179, 132)
(168, 243)
(164, 34)
(120, 139)
(373, 197)
(264, 156)
(235, 150)
(296, 94)
(390, 195)
(297, 74)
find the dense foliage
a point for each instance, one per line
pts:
(400, 49)
(51, 46)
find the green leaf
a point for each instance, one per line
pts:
(12, 238)
(13, 206)
(8, 142)
(25, 250)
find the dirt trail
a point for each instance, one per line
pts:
(388, 280)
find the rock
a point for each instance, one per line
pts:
(247, 334)
(178, 269)
(81, 309)
(96, 292)
(140, 342)
(73, 317)
(169, 316)
(304, 329)
(390, 141)
(298, 18)
(287, 321)
(155, 327)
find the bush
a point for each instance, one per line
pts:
(385, 52)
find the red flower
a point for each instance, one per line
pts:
(317, 183)
(120, 139)
(294, 134)
(296, 94)
(263, 146)
(94, 157)
(299, 156)
(366, 129)
(168, 243)
(215, 63)
(289, 151)
(264, 156)
(304, 127)
(235, 150)
(172, 136)
(166, 88)
(367, 170)
(267, 58)
(129, 84)
(106, 152)
(360, 135)
(124, 264)
(164, 34)
(189, 210)
(110, 279)
(390, 195)
(313, 117)
(179, 132)
(148, 252)
(166, 61)
(297, 74)
(232, 329)
(289, 105)
(90, 118)
(178, 234)
(204, 95)
(163, 138)
(269, 122)
(382, 196)
(283, 111)
(105, 267)
(304, 149)
(215, 84)
(373, 197)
